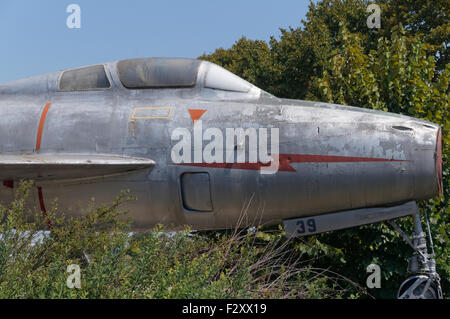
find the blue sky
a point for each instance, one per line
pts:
(36, 40)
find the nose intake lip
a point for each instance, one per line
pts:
(439, 161)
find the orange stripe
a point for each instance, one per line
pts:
(41, 126)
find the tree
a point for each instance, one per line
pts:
(427, 18)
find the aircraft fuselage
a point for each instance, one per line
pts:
(328, 157)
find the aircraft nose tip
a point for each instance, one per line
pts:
(439, 161)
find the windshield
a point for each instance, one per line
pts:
(218, 78)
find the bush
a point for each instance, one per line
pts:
(114, 263)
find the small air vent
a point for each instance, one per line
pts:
(402, 128)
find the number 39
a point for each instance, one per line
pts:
(310, 226)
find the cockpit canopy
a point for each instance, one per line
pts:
(158, 73)
(177, 73)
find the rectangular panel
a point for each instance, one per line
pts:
(152, 112)
(195, 190)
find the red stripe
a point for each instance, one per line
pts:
(43, 210)
(305, 158)
(8, 183)
(285, 161)
(249, 166)
(41, 126)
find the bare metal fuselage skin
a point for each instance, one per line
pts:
(338, 158)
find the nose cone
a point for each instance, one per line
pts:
(439, 162)
(344, 157)
(426, 157)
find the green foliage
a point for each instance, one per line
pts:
(156, 264)
(402, 67)
(424, 18)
